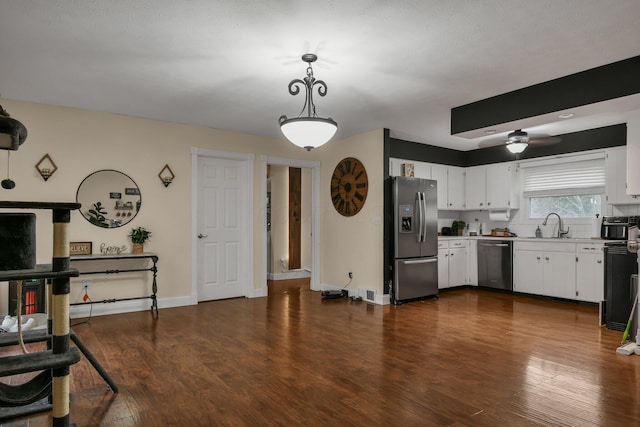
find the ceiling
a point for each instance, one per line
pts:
(226, 64)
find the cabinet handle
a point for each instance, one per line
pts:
(538, 258)
(546, 258)
(480, 204)
(488, 203)
(452, 255)
(599, 261)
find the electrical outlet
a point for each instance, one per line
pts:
(350, 275)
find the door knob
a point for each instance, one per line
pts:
(200, 236)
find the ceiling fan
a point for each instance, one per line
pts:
(518, 140)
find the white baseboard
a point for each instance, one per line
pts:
(291, 274)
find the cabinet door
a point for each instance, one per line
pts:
(527, 272)
(422, 170)
(443, 268)
(633, 152)
(472, 263)
(501, 182)
(457, 266)
(476, 187)
(439, 173)
(455, 188)
(560, 274)
(616, 170)
(590, 277)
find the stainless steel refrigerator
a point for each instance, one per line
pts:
(415, 219)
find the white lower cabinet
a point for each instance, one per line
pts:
(590, 273)
(562, 270)
(545, 269)
(452, 263)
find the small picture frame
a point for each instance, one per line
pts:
(407, 169)
(80, 248)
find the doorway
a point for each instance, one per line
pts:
(288, 222)
(275, 262)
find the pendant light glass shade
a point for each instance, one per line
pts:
(517, 147)
(12, 132)
(308, 131)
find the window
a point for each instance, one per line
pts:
(572, 189)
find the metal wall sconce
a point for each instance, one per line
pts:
(46, 167)
(166, 175)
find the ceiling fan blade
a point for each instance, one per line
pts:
(491, 143)
(548, 140)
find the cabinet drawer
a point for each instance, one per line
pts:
(458, 244)
(545, 246)
(589, 248)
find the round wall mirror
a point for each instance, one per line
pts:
(109, 198)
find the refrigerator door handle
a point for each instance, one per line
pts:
(420, 261)
(424, 217)
(419, 197)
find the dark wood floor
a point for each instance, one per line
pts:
(470, 358)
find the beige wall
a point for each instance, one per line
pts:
(355, 243)
(81, 142)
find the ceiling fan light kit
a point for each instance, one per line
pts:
(308, 131)
(517, 147)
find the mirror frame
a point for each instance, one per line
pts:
(134, 209)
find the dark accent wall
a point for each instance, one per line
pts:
(603, 83)
(592, 139)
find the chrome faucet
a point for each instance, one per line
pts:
(561, 232)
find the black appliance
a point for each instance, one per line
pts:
(617, 227)
(495, 267)
(619, 266)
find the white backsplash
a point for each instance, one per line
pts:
(527, 228)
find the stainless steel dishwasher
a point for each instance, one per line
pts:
(495, 264)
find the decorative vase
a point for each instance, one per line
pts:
(138, 248)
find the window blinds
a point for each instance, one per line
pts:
(581, 177)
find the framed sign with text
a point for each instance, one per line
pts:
(80, 248)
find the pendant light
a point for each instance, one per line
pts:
(308, 131)
(12, 132)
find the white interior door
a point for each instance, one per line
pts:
(221, 215)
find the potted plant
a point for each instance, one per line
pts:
(138, 236)
(461, 227)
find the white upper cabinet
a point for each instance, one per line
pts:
(616, 170)
(502, 186)
(439, 173)
(420, 169)
(493, 186)
(455, 188)
(476, 187)
(450, 186)
(633, 153)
